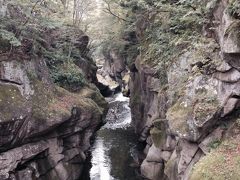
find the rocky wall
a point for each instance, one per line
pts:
(45, 130)
(185, 119)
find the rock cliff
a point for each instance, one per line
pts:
(46, 129)
(181, 122)
(187, 112)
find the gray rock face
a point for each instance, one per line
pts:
(180, 123)
(13, 72)
(45, 130)
(152, 170)
(114, 65)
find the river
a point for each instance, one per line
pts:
(115, 145)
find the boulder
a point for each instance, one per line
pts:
(152, 170)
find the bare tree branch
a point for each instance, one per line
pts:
(109, 11)
(18, 33)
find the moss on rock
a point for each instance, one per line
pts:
(203, 111)
(158, 137)
(158, 123)
(178, 115)
(12, 104)
(53, 102)
(96, 96)
(234, 32)
(222, 163)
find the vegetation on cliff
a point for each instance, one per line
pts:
(183, 57)
(184, 44)
(47, 29)
(223, 162)
(160, 31)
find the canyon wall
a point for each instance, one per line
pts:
(183, 120)
(46, 130)
(187, 114)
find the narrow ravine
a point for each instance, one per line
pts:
(114, 153)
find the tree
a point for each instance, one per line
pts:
(81, 8)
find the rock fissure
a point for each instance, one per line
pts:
(10, 82)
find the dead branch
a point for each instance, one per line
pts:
(109, 11)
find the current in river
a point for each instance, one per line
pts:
(114, 152)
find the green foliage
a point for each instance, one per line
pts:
(64, 71)
(50, 23)
(234, 8)
(38, 29)
(172, 31)
(166, 29)
(220, 164)
(68, 76)
(215, 144)
(10, 37)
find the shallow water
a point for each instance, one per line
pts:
(115, 145)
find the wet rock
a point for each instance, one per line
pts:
(144, 134)
(158, 137)
(107, 86)
(157, 155)
(114, 70)
(149, 140)
(146, 149)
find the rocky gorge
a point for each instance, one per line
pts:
(187, 113)
(177, 61)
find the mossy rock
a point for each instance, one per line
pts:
(233, 33)
(96, 96)
(69, 100)
(12, 103)
(4, 45)
(203, 111)
(42, 99)
(207, 105)
(56, 102)
(159, 137)
(159, 123)
(178, 115)
(48, 102)
(222, 163)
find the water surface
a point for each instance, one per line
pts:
(115, 145)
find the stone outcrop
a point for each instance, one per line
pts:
(46, 130)
(181, 121)
(114, 69)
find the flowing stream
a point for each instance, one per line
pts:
(115, 145)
